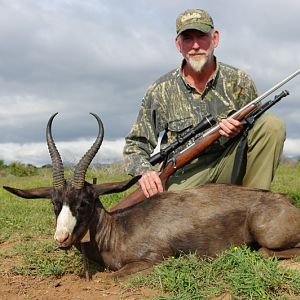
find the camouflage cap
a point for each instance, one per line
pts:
(194, 19)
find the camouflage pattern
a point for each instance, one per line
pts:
(171, 106)
(194, 19)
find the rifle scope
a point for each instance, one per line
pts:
(206, 123)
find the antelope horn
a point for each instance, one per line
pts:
(81, 168)
(57, 165)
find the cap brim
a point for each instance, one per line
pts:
(201, 27)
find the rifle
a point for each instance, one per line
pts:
(206, 139)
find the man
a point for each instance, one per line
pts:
(186, 95)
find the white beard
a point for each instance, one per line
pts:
(197, 64)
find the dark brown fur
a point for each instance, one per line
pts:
(203, 220)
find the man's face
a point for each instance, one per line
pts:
(197, 47)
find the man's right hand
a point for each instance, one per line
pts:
(151, 184)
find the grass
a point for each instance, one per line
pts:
(46, 259)
(287, 180)
(239, 271)
(26, 237)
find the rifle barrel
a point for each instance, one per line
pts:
(277, 86)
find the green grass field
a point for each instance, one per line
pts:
(26, 237)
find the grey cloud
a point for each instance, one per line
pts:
(77, 57)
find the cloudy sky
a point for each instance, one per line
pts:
(76, 57)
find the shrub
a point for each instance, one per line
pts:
(2, 165)
(21, 170)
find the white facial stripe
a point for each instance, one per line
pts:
(65, 223)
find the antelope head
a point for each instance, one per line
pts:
(73, 200)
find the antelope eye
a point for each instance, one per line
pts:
(83, 204)
(57, 206)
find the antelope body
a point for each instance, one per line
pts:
(203, 220)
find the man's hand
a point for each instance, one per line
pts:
(230, 127)
(151, 184)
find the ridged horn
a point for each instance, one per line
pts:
(81, 168)
(57, 165)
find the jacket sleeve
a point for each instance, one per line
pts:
(142, 139)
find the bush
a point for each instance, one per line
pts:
(21, 170)
(2, 165)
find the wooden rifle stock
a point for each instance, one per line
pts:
(187, 155)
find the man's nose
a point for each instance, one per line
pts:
(196, 44)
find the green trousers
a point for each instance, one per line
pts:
(265, 144)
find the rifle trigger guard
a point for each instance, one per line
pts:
(173, 159)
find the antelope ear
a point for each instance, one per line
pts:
(31, 193)
(115, 187)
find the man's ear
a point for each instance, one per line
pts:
(178, 44)
(216, 37)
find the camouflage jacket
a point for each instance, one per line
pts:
(171, 105)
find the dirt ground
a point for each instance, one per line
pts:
(68, 287)
(100, 286)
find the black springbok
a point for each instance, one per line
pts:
(203, 220)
